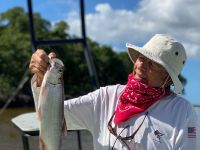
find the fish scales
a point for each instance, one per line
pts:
(51, 107)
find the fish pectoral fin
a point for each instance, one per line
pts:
(64, 128)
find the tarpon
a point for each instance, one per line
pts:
(51, 107)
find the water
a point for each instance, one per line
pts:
(10, 136)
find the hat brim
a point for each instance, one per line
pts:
(135, 51)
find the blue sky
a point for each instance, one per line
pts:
(114, 23)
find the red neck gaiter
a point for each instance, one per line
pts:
(136, 98)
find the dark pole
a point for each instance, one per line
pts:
(89, 60)
(25, 141)
(31, 25)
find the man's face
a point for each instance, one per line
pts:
(149, 72)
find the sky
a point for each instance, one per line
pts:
(115, 22)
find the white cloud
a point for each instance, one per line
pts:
(176, 17)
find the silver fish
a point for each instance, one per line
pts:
(51, 107)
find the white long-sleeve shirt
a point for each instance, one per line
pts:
(172, 116)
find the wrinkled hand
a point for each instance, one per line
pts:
(39, 64)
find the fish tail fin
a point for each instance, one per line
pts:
(42, 145)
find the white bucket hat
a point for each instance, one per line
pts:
(166, 51)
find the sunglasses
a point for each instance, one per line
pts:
(152, 65)
(123, 140)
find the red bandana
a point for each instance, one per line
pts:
(136, 98)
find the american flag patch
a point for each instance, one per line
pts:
(191, 132)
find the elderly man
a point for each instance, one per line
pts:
(145, 114)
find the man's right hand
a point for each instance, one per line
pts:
(39, 64)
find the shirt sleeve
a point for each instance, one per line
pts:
(79, 112)
(189, 135)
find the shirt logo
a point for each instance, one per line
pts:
(158, 135)
(191, 132)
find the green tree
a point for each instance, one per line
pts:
(14, 45)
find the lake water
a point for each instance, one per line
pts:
(10, 136)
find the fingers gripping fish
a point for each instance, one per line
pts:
(51, 107)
